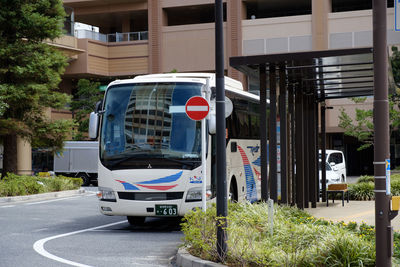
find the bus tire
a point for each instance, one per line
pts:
(136, 220)
(233, 195)
(85, 179)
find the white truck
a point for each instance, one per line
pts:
(79, 159)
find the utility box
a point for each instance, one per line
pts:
(79, 159)
(395, 202)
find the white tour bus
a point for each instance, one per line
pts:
(150, 150)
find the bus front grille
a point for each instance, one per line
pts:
(150, 196)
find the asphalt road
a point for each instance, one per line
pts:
(71, 232)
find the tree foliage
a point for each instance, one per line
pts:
(395, 61)
(87, 96)
(362, 126)
(30, 71)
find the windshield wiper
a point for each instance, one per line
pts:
(189, 163)
(145, 156)
(119, 160)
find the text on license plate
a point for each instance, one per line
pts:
(166, 210)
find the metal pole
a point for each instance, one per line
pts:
(313, 155)
(292, 145)
(272, 135)
(323, 148)
(383, 236)
(203, 165)
(263, 132)
(306, 150)
(222, 200)
(323, 135)
(299, 150)
(316, 148)
(204, 138)
(283, 133)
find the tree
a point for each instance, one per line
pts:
(30, 71)
(395, 62)
(87, 96)
(362, 126)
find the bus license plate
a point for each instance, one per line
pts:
(166, 210)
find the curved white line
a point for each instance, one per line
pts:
(39, 245)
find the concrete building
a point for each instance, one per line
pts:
(152, 36)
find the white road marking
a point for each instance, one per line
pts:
(39, 245)
(7, 206)
(52, 200)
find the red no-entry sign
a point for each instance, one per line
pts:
(197, 108)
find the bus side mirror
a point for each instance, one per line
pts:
(93, 125)
(212, 117)
(212, 123)
(99, 105)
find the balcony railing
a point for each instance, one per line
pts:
(112, 37)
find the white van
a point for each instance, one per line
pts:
(336, 160)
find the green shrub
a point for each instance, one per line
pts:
(364, 188)
(395, 177)
(395, 187)
(19, 185)
(298, 239)
(361, 191)
(366, 179)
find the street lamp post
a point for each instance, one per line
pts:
(222, 198)
(384, 232)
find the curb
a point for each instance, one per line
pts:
(43, 196)
(184, 259)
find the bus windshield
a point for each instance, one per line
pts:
(144, 125)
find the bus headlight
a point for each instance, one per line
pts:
(106, 194)
(194, 194)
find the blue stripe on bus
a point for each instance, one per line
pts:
(129, 186)
(257, 162)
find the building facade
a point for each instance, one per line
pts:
(133, 37)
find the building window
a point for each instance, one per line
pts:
(354, 5)
(191, 15)
(257, 9)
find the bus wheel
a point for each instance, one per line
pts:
(136, 220)
(233, 192)
(85, 179)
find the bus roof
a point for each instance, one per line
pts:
(230, 84)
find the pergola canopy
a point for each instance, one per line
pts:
(338, 73)
(296, 82)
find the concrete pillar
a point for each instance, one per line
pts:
(126, 27)
(24, 157)
(235, 15)
(155, 19)
(319, 24)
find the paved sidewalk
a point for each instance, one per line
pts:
(356, 211)
(40, 197)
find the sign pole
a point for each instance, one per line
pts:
(203, 165)
(397, 15)
(197, 108)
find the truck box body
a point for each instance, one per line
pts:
(79, 159)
